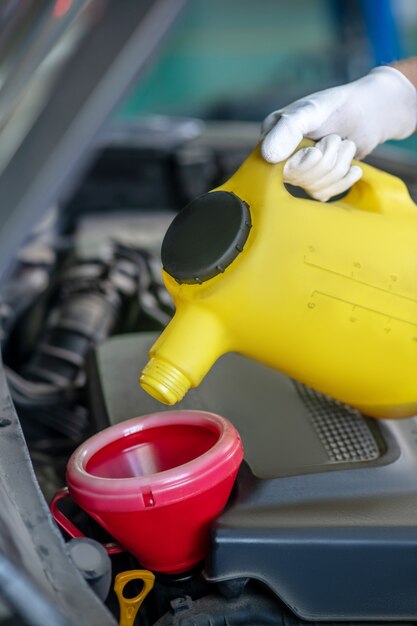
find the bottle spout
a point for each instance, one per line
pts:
(181, 357)
(163, 381)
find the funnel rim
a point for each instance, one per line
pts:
(167, 486)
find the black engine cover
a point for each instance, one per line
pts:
(324, 509)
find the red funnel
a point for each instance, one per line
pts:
(157, 482)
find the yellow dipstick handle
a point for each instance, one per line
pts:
(130, 606)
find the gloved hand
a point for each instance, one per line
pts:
(367, 112)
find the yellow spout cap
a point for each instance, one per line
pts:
(164, 381)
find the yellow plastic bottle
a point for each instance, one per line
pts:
(326, 293)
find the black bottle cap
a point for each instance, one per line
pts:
(205, 237)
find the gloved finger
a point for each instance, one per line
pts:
(324, 194)
(328, 148)
(283, 138)
(342, 164)
(270, 121)
(301, 161)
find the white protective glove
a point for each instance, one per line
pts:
(357, 116)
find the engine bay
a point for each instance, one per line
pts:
(324, 497)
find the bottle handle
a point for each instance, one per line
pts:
(376, 192)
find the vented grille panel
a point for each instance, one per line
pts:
(343, 431)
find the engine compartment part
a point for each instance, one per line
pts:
(92, 560)
(130, 606)
(215, 611)
(298, 431)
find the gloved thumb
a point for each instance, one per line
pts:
(281, 141)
